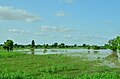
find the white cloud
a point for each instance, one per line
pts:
(38, 33)
(89, 38)
(45, 28)
(9, 13)
(56, 29)
(108, 22)
(60, 13)
(67, 1)
(51, 36)
(68, 36)
(17, 31)
(61, 29)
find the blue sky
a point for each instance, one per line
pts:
(69, 21)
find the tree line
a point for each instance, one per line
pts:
(113, 44)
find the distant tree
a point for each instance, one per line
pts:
(29, 46)
(66, 46)
(62, 45)
(106, 46)
(33, 44)
(15, 45)
(44, 46)
(88, 46)
(55, 44)
(8, 45)
(75, 45)
(84, 45)
(47, 45)
(22, 46)
(38, 46)
(95, 47)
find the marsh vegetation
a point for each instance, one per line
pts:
(72, 62)
(27, 66)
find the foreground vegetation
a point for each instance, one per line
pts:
(15, 65)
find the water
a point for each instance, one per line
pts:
(108, 57)
(64, 51)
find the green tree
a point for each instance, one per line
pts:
(106, 45)
(15, 45)
(118, 40)
(95, 47)
(62, 45)
(75, 45)
(84, 45)
(55, 44)
(88, 46)
(45, 46)
(33, 44)
(8, 45)
(114, 44)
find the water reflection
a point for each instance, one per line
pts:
(95, 52)
(88, 52)
(32, 51)
(113, 57)
(45, 50)
(54, 50)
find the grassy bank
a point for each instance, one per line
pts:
(15, 65)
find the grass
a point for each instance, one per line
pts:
(15, 65)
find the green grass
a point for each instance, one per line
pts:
(5, 54)
(15, 65)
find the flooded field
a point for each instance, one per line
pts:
(107, 57)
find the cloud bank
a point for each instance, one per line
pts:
(56, 29)
(17, 31)
(9, 13)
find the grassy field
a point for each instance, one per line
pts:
(15, 65)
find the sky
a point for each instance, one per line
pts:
(79, 22)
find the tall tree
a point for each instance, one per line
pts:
(8, 45)
(33, 44)
(75, 45)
